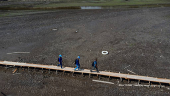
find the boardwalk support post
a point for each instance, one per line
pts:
(73, 73)
(149, 83)
(28, 69)
(89, 75)
(63, 72)
(17, 69)
(82, 74)
(121, 79)
(56, 71)
(49, 71)
(42, 70)
(159, 85)
(128, 81)
(99, 77)
(138, 82)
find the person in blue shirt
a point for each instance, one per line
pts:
(60, 61)
(94, 65)
(77, 63)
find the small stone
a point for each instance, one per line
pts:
(161, 56)
(54, 29)
(143, 54)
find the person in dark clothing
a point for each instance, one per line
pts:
(60, 61)
(94, 65)
(77, 63)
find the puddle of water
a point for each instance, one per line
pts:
(91, 7)
(99, 7)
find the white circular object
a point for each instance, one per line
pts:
(105, 52)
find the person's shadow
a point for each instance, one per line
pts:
(3, 94)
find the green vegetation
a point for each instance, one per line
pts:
(21, 12)
(72, 3)
(77, 3)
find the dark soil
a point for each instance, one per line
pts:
(137, 38)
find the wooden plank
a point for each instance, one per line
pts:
(14, 70)
(87, 71)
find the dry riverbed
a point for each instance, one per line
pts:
(137, 41)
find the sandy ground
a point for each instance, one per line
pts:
(137, 41)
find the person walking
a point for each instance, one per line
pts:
(77, 63)
(94, 65)
(60, 60)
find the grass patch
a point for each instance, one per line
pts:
(104, 3)
(74, 4)
(78, 3)
(21, 12)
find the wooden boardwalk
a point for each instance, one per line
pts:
(87, 71)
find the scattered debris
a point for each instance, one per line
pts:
(54, 29)
(105, 52)
(8, 53)
(102, 81)
(161, 56)
(131, 71)
(14, 70)
(140, 85)
(127, 66)
(19, 53)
